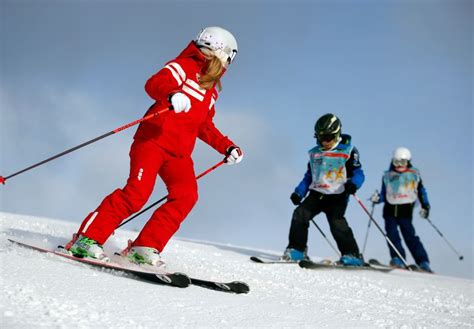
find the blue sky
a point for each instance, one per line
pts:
(397, 73)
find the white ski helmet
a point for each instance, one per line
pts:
(220, 41)
(401, 153)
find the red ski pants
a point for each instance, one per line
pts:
(147, 160)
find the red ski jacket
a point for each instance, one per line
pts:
(177, 132)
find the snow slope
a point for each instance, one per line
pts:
(39, 290)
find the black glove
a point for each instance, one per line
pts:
(295, 198)
(425, 212)
(350, 188)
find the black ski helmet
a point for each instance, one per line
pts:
(327, 128)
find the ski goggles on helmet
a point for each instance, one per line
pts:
(400, 162)
(326, 138)
(226, 56)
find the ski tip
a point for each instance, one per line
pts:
(240, 287)
(257, 259)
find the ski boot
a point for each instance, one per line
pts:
(294, 255)
(425, 267)
(85, 247)
(144, 255)
(351, 260)
(396, 262)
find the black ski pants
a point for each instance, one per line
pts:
(334, 206)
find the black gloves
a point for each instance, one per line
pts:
(295, 198)
(350, 188)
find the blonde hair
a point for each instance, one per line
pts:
(213, 73)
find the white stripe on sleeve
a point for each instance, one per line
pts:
(175, 74)
(179, 69)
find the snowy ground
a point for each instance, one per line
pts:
(39, 290)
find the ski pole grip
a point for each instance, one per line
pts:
(2, 180)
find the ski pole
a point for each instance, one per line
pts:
(324, 235)
(368, 228)
(461, 257)
(381, 231)
(128, 125)
(164, 198)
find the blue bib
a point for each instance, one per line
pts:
(401, 187)
(328, 169)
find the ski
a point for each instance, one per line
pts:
(324, 265)
(413, 267)
(236, 287)
(267, 260)
(170, 279)
(175, 279)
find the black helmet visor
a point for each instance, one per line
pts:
(326, 137)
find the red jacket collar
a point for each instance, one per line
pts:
(192, 51)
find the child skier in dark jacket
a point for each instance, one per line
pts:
(334, 172)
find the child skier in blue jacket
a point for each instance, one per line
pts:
(334, 172)
(401, 188)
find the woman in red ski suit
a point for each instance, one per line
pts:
(163, 146)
